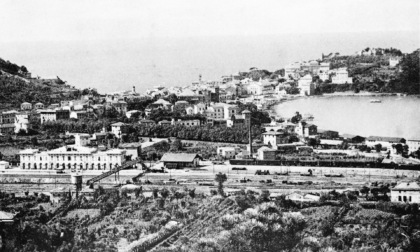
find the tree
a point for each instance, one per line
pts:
(220, 179)
(296, 118)
(365, 190)
(176, 145)
(34, 141)
(378, 147)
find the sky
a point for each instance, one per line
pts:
(59, 20)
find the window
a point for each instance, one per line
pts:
(405, 198)
(409, 198)
(399, 198)
(69, 158)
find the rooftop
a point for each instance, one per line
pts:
(179, 157)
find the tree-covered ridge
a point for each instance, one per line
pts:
(12, 68)
(17, 88)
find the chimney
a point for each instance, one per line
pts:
(134, 89)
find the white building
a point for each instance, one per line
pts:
(393, 62)
(306, 86)
(274, 138)
(413, 144)
(71, 157)
(341, 76)
(47, 115)
(226, 152)
(25, 106)
(4, 165)
(118, 129)
(406, 192)
(22, 123)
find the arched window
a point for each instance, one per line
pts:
(405, 198)
(409, 198)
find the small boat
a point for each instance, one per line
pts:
(375, 101)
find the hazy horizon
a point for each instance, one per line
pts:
(112, 65)
(112, 45)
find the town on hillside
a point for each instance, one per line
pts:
(155, 170)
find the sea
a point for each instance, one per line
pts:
(395, 116)
(115, 65)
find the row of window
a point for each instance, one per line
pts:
(404, 198)
(68, 166)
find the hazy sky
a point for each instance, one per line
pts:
(40, 20)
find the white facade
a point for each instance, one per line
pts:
(393, 62)
(118, 129)
(341, 76)
(48, 115)
(305, 85)
(406, 192)
(71, 157)
(226, 152)
(4, 165)
(413, 144)
(22, 123)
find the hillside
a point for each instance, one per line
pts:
(17, 86)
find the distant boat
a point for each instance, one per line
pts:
(375, 101)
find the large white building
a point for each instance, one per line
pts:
(71, 157)
(406, 192)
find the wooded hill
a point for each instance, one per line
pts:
(16, 87)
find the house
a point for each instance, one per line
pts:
(266, 153)
(304, 129)
(394, 61)
(22, 123)
(355, 139)
(78, 114)
(132, 113)
(226, 152)
(341, 76)
(120, 106)
(6, 217)
(180, 160)
(406, 192)
(146, 122)
(161, 103)
(131, 149)
(25, 106)
(118, 129)
(274, 138)
(303, 197)
(4, 165)
(328, 134)
(188, 123)
(413, 144)
(8, 117)
(39, 105)
(48, 115)
(306, 86)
